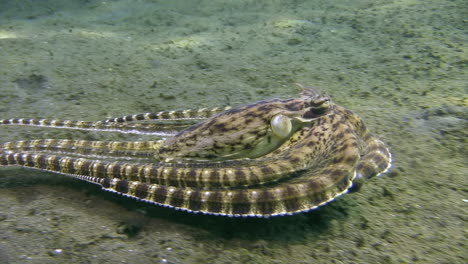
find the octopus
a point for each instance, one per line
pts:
(269, 158)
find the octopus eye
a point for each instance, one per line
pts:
(281, 125)
(318, 107)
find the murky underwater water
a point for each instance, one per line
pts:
(400, 65)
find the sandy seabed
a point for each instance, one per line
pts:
(401, 65)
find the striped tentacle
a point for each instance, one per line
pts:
(377, 161)
(377, 158)
(189, 114)
(308, 191)
(162, 130)
(86, 148)
(192, 174)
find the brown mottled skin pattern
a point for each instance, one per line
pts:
(237, 162)
(220, 137)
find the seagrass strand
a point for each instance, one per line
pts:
(162, 130)
(188, 114)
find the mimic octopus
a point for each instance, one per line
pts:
(268, 158)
